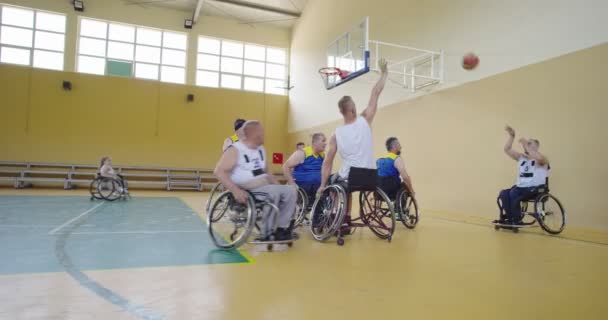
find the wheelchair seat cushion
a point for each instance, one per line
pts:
(535, 193)
(362, 179)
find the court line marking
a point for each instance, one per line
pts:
(240, 250)
(528, 233)
(67, 223)
(84, 280)
(138, 232)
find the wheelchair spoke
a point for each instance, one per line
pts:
(229, 222)
(550, 213)
(326, 213)
(376, 213)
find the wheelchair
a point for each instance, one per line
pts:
(302, 204)
(217, 189)
(406, 207)
(376, 211)
(231, 224)
(303, 207)
(110, 189)
(548, 212)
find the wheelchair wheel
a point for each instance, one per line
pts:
(407, 209)
(550, 213)
(328, 212)
(213, 194)
(93, 189)
(376, 211)
(230, 223)
(109, 189)
(301, 205)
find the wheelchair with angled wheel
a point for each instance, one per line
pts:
(231, 224)
(546, 210)
(329, 212)
(406, 208)
(217, 189)
(303, 207)
(302, 204)
(110, 189)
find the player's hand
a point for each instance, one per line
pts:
(510, 130)
(383, 64)
(320, 191)
(241, 196)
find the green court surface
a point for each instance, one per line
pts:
(56, 233)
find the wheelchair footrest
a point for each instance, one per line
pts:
(520, 225)
(272, 242)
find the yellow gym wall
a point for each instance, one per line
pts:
(137, 122)
(453, 139)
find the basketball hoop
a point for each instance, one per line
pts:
(330, 75)
(333, 71)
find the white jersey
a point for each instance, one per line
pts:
(531, 173)
(250, 164)
(355, 146)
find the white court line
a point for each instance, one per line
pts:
(74, 219)
(139, 232)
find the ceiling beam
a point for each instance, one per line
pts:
(197, 10)
(261, 7)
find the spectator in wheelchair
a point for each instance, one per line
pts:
(238, 123)
(533, 169)
(303, 168)
(243, 169)
(106, 171)
(391, 170)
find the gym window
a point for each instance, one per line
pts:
(31, 37)
(244, 66)
(110, 48)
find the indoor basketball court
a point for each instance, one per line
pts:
(303, 159)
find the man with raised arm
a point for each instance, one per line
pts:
(533, 171)
(353, 141)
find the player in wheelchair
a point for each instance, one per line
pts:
(331, 213)
(108, 185)
(254, 197)
(303, 169)
(394, 180)
(532, 187)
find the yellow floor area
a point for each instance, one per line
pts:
(447, 268)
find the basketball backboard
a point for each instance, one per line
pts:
(350, 54)
(353, 54)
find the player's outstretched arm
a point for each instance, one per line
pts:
(370, 112)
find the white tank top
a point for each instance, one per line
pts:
(250, 164)
(531, 174)
(355, 146)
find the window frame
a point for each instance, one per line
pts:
(135, 44)
(32, 48)
(264, 78)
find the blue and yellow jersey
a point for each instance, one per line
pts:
(386, 166)
(309, 171)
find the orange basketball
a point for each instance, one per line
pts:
(470, 61)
